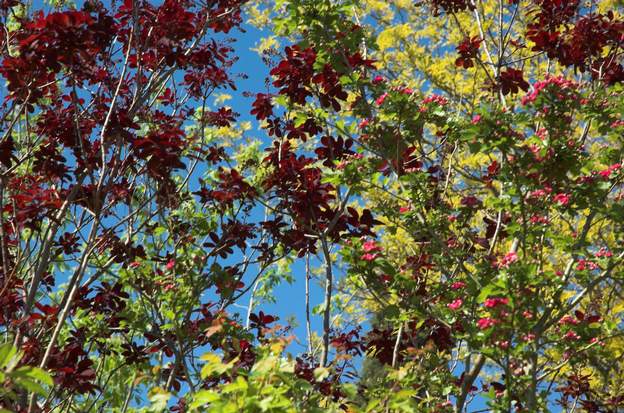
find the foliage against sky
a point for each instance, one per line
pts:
(449, 171)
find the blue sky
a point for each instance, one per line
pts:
(290, 298)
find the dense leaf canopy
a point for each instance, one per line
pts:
(445, 177)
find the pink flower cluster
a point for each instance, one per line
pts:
(568, 320)
(380, 100)
(540, 193)
(378, 80)
(495, 302)
(507, 260)
(539, 219)
(458, 285)
(604, 174)
(348, 159)
(528, 337)
(558, 81)
(486, 322)
(603, 253)
(404, 90)
(370, 250)
(562, 199)
(584, 264)
(572, 336)
(611, 169)
(440, 100)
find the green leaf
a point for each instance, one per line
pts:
(321, 373)
(350, 390)
(489, 290)
(31, 386)
(214, 365)
(265, 365)
(318, 309)
(158, 231)
(34, 373)
(203, 397)
(159, 400)
(392, 311)
(7, 352)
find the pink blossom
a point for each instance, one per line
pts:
(562, 199)
(495, 302)
(542, 133)
(603, 253)
(598, 341)
(528, 337)
(371, 246)
(537, 219)
(568, 319)
(540, 193)
(440, 100)
(485, 323)
(457, 285)
(503, 344)
(584, 264)
(364, 124)
(169, 287)
(378, 79)
(381, 99)
(571, 335)
(536, 151)
(611, 169)
(369, 257)
(508, 259)
(475, 119)
(564, 88)
(455, 304)
(170, 265)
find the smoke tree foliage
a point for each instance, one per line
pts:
(449, 171)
